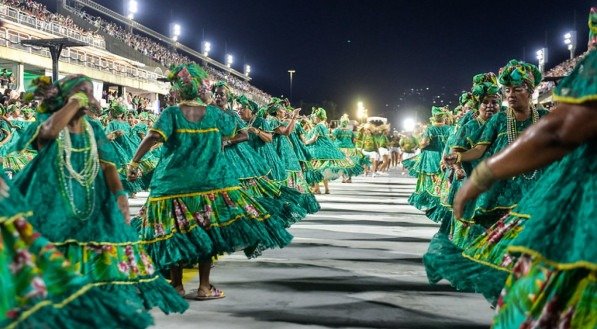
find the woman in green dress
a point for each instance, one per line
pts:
(196, 207)
(344, 138)
(444, 259)
(40, 288)
(120, 133)
(150, 161)
(326, 157)
(427, 166)
(78, 202)
(260, 138)
(552, 284)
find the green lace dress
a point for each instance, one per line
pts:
(125, 148)
(553, 233)
(196, 207)
(326, 157)
(344, 141)
(426, 167)
(150, 161)
(251, 169)
(41, 289)
(82, 218)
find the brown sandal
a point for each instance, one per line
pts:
(214, 293)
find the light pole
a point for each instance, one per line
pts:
(132, 8)
(542, 58)
(291, 73)
(360, 111)
(570, 40)
(247, 70)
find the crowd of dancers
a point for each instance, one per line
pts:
(514, 188)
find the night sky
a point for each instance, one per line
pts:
(371, 50)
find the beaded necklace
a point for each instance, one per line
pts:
(85, 177)
(513, 131)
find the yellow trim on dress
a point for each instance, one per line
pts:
(560, 266)
(9, 219)
(574, 100)
(163, 134)
(486, 263)
(160, 198)
(196, 131)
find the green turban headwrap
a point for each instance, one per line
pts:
(247, 103)
(144, 116)
(518, 73)
(56, 94)
(437, 111)
(117, 109)
(320, 113)
(466, 98)
(344, 120)
(186, 80)
(274, 105)
(484, 84)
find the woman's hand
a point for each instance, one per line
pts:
(466, 193)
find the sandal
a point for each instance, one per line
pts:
(214, 293)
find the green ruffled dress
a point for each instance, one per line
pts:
(13, 161)
(554, 282)
(125, 148)
(278, 172)
(41, 289)
(196, 207)
(426, 168)
(312, 176)
(289, 158)
(326, 157)
(279, 201)
(150, 160)
(84, 222)
(344, 141)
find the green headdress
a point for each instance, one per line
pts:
(484, 84)
(466, 98)
(28, 110)
(186, 80)
(247, 103)
(2, 110)
(320, 113)
(593, 27)
(117, 109)
(54, 95)
(438, 113)
(344, 120)
(274, 105)
(518, 73)
(144, 116)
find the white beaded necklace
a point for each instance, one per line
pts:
(513, 131)
(85, 177)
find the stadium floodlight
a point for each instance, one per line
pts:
(570, 41)
(360, 110)
(229, 60)
(542, 58)
(175, 31)
(247, 69)
(133, 8)
(206, 48)
(409, 124)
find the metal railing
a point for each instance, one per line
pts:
(77, 56)
(24, 18)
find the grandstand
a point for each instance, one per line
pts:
(124, 58)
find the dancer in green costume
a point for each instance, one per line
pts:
(326, 157)
(196, 207)
(122, 137)
(77, 200)
(519, 80)
(344, 138)
(260, 138)
(553, 283)
(443, 259)
(427, 166)
(40, 288)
